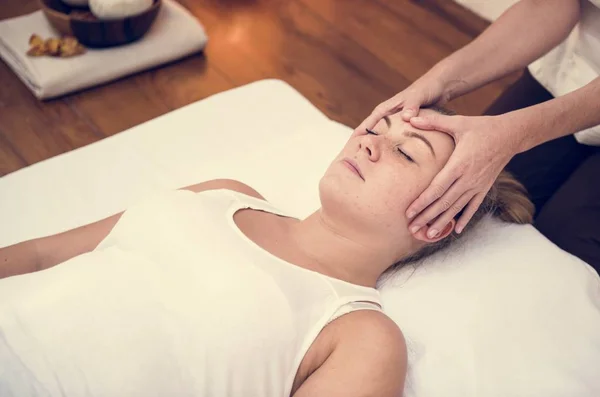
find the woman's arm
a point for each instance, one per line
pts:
(564, 115)
(18, 259)
(522, 34)
(368, 360)
(45, 252)
(525, 32)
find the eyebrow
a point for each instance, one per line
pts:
(412, 134)
(388, 122)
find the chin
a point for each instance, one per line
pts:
(339, 196)
(333, 191)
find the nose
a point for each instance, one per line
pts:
(369, 144)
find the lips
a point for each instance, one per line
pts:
(353, 165)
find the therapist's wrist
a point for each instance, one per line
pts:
(521, 129)
(558, 117)
(447, 74)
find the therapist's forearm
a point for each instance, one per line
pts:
(555, 118)
(18, 259)
(525, 32)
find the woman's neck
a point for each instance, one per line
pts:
(339, 250)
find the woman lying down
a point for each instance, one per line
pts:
(212, 291)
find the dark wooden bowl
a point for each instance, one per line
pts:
(91, 32)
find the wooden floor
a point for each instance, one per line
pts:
(345, 56)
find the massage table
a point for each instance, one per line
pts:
(503, 312)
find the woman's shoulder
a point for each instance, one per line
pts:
(368, 354)
(226, 184)
(381, 346)
(372, 326)
(208, 195)
(233, 194)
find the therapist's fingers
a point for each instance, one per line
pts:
(469, 212)
(386, 108)
(439, 122)
(447, 201)
(436, 189)
(411, 108)
(447, 216)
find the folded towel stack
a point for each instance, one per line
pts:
(175, 34)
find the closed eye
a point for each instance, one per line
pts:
(399, 149)
(406, 155)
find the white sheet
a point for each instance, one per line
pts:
(224, 135)
(504, 313)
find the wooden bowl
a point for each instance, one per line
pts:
(92, 32)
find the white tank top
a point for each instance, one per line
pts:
(574, 63)
(175, 301)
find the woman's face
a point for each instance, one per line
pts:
(378, 175)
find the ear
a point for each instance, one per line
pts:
(422, 233)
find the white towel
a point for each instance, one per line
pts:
(174, 34)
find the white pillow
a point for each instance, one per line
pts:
(503, 313)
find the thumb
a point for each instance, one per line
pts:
(436, 121)
(369, 122)
(411, 108)
(383, 109)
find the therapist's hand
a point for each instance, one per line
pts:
(428, 90)
(484, 145)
